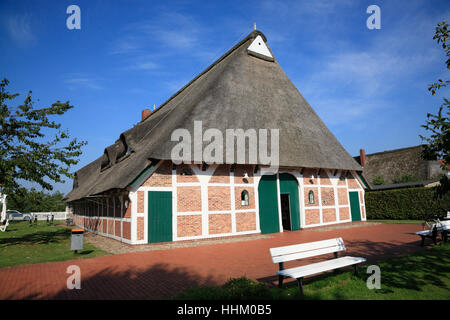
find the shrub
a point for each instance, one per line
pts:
(379, 180)
(234, 289)
(405, 204)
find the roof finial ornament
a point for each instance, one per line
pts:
(254, 26)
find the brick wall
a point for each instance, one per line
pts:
(219, 198)
(189, 199)
(189, 225)
(219, 223)
(245, 221)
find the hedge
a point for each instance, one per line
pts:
(405, 204)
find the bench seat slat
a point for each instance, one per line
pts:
(306, 246)
(306, 254)
(319, 267)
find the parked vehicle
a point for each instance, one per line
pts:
(18, 216)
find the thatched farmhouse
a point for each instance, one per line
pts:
(390, 166)
(135, 192)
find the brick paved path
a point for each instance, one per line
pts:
(162, 273)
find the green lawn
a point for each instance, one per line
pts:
(419, 276)
(22, 244)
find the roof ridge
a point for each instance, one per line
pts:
(393, 150)
(252, 34)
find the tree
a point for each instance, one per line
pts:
(30, 149)
(438, 144)
(36, 201)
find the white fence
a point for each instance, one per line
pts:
(57, 215)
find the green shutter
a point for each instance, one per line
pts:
(159, 216)
(354, 206)
(268, 204)
(288, 184)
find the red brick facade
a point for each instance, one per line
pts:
(207, 202)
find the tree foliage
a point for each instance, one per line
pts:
(33, 147)
(438, 143)
(36, 201)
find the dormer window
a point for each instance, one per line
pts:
(105, 164)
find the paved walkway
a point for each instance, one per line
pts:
(162, 273)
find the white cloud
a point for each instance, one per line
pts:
(79, 80)
(19, 28)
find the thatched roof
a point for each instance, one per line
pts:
(239, 90)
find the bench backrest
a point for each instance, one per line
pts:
(306, 250)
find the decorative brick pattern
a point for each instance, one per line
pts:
(342, 179)
(140, 201)
(140, 228)
(182, 177)
(219, 223)
(239, 172)
(307, 173)
(111, 227)
(221, 174)
(189, 199)
(363, 212)
(237, 198)
(126, 229)
(105, 225)
(306, 197)
(328, 215)
(219, 198)
(344, 214)
(117, 228)
(312, 216)
(162, 177)
(189, 225)
(324, 179)
(327, 196)
(342, 196)
(352, 183)
(245, 221)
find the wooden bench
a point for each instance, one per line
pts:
(281, 255)
(441, 227)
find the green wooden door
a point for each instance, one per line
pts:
(354, 206)
(268, 204)
(159, 216)
(289, 185)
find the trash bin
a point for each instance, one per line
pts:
(77, 240)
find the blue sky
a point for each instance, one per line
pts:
(368, 86)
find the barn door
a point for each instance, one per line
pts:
(268, 204)
(159, 216)
(289, 185)
(354, 206)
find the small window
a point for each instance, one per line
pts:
(244, 198)
(311, 197)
